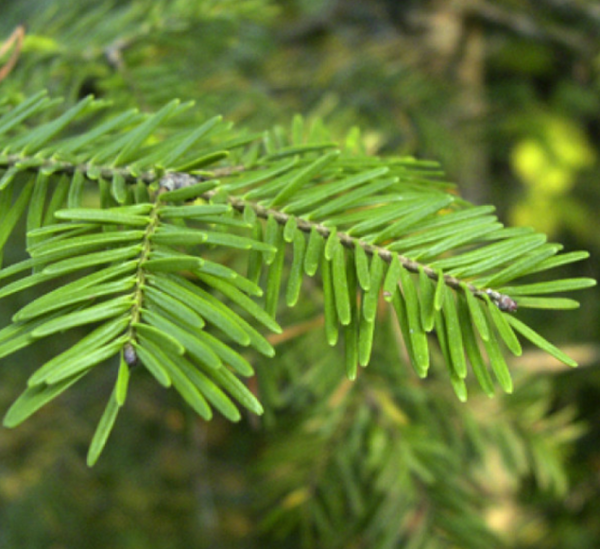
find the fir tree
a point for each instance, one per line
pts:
(352, 300)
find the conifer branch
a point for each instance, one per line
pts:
(503, 302)
(374, 227)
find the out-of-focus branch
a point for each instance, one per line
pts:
(523, 24)
(586, 355)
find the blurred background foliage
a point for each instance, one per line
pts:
(506, 95)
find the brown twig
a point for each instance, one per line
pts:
(16, 40)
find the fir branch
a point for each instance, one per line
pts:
(176, 180)
(502, 301)
(370, 224)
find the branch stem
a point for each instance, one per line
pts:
(502, 301)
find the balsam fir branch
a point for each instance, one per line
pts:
(13, 164)
(372, 226)
(502, 301)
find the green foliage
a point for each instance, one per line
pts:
(372, 226)
(206, 236)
